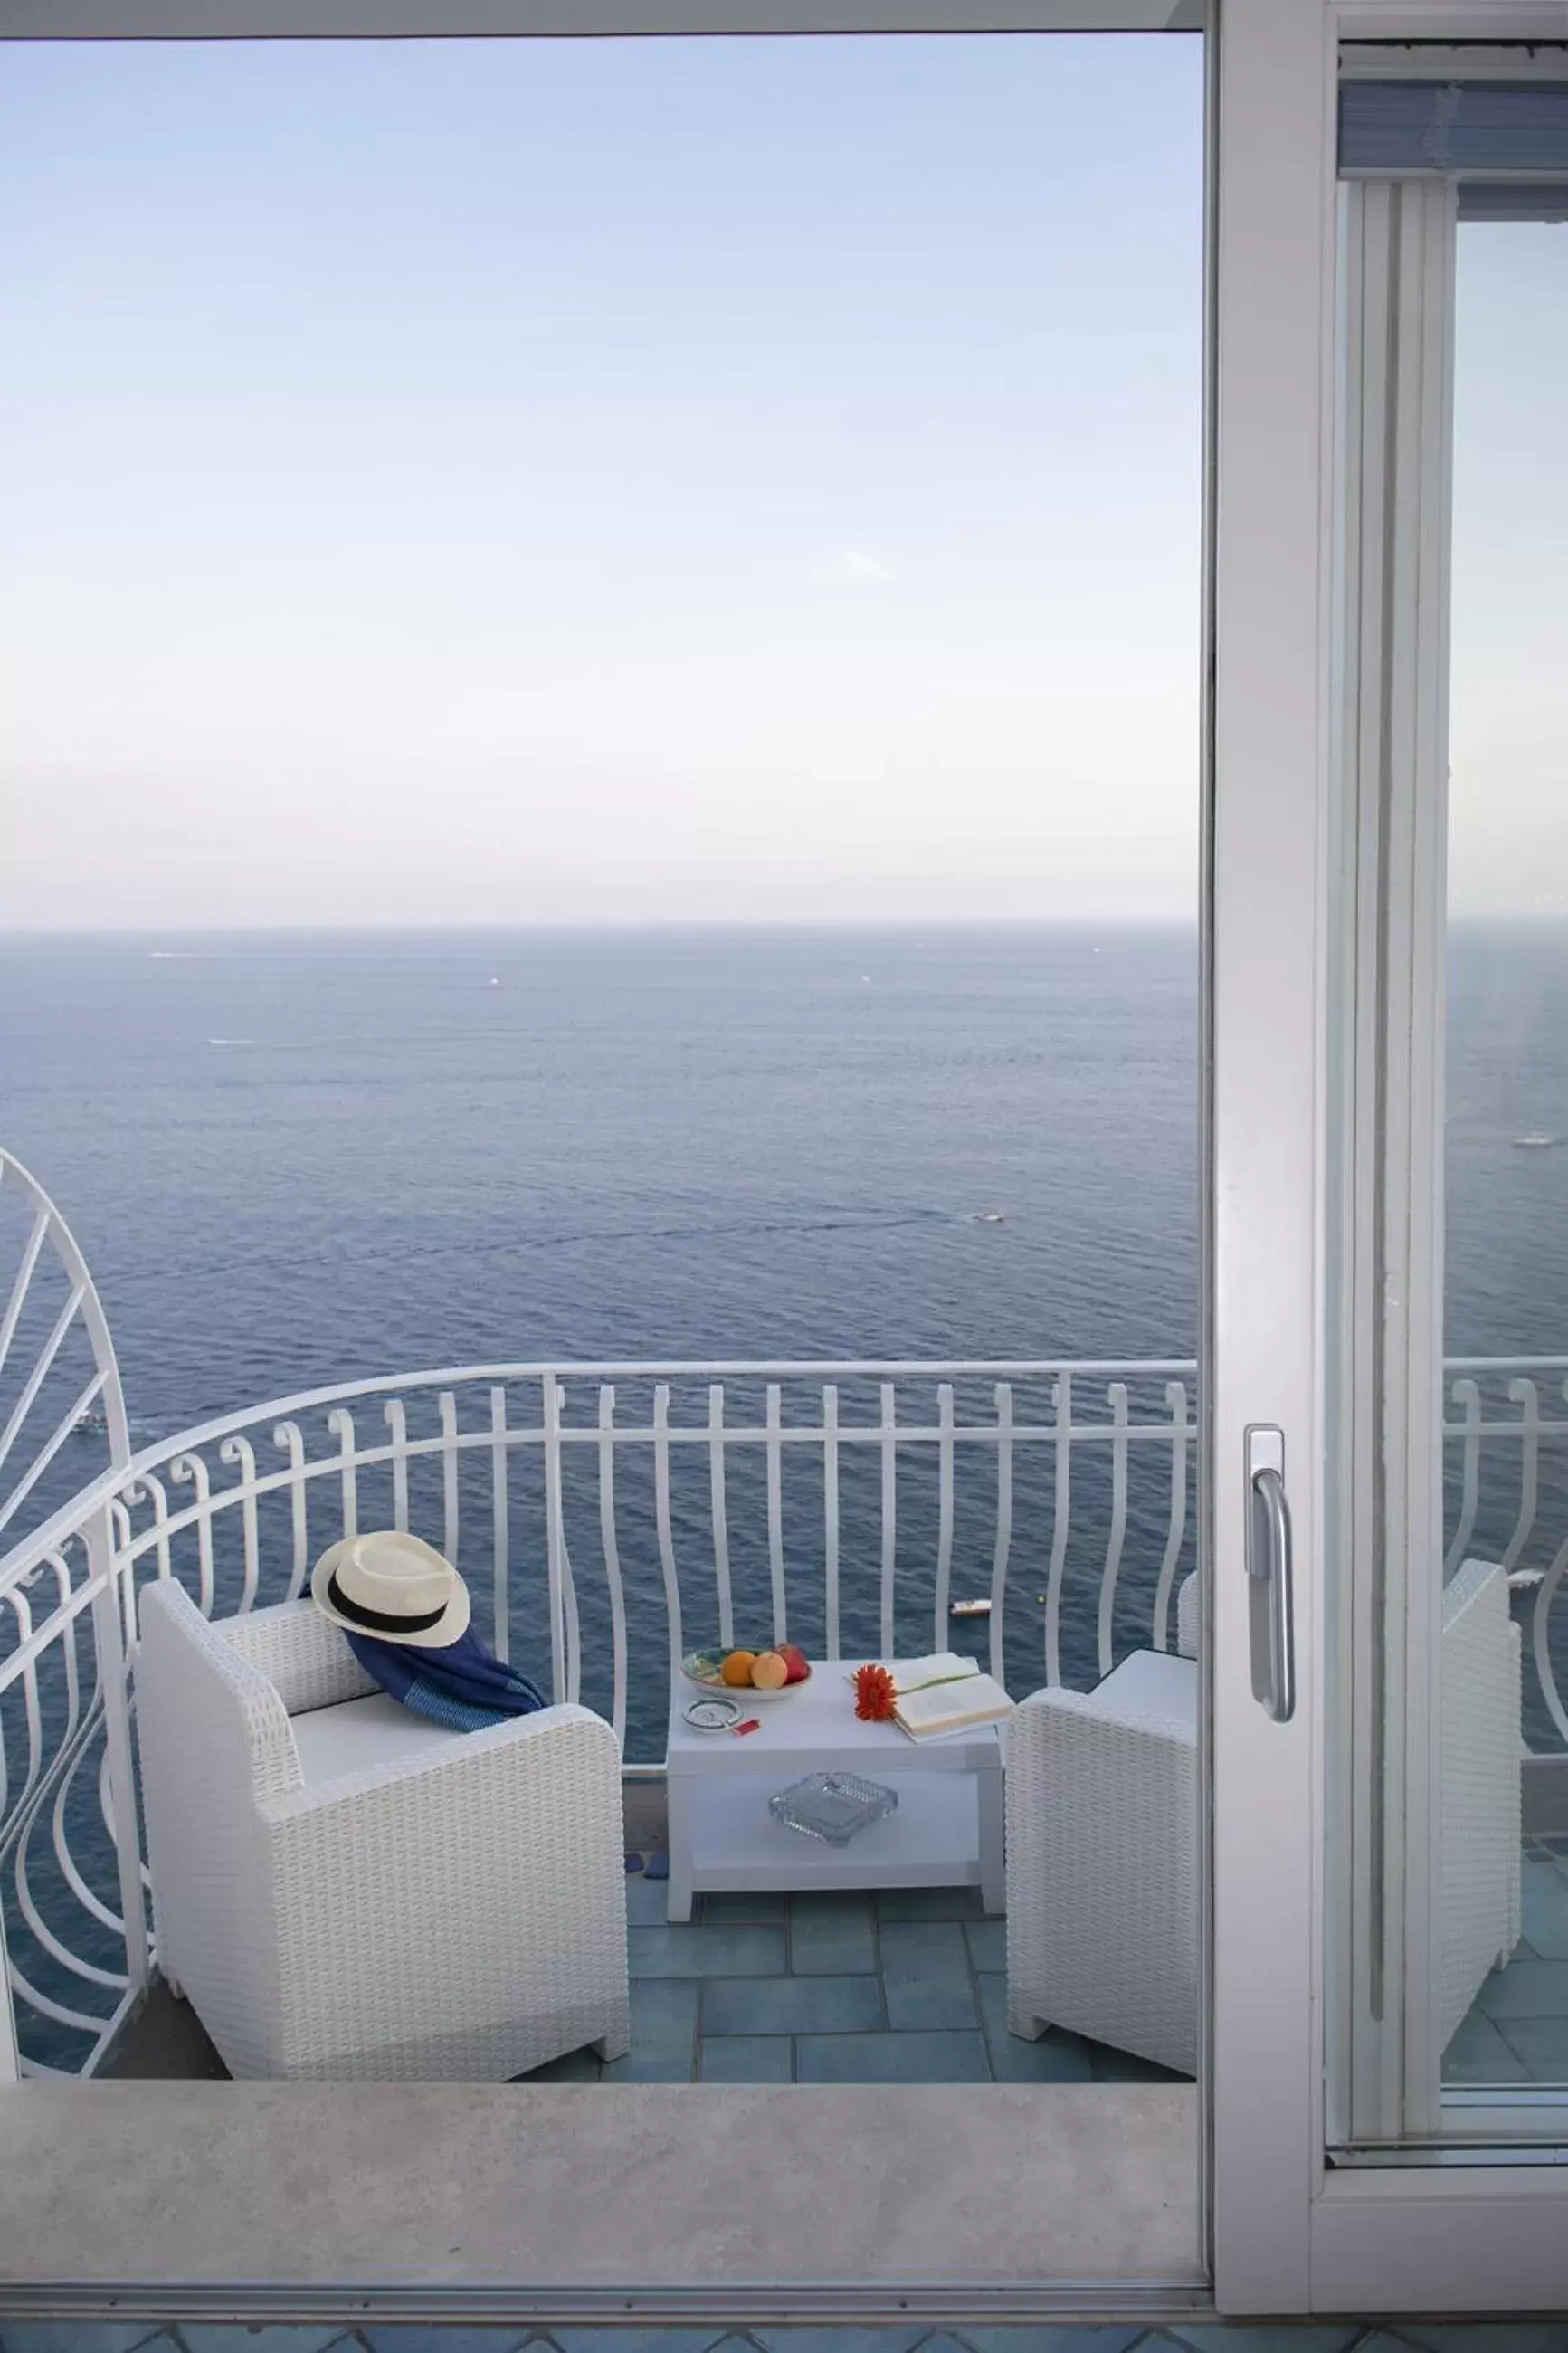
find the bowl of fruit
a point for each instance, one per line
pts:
(762, 1674)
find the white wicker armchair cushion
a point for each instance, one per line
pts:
(303, 1654)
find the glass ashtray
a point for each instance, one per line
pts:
(833, 1807)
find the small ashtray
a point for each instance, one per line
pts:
(832, 1807)
(712, 1715)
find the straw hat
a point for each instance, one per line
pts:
(393, 1587)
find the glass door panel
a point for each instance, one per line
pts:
(1446, 1489)
(1505, 1165)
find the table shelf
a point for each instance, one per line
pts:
(931, 1841)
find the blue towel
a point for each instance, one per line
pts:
(461, 1685)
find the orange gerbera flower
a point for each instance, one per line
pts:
(875, 1696)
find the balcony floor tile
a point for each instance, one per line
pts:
(724, 1910)
(914, 2057)
(1112, 2067)
(1526, 1990)
(929, 1903)
(747, 2059)
(1056, 2058)
(1479, 2054)
(925, 1970)
(832, 1934)
(793, 2006)
(664, 2034)
(691, 1949)
(648, 1901)
(1540, 2045)
(1545, 1910)
(576, 2067)
(987, 1943)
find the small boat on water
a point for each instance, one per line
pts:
(976, 1608)
(991, 1217)
(1533, 1143)
(89, 1421)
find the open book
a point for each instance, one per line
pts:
(943, 1692)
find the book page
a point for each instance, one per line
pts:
(954, 1707)
(907, 1673)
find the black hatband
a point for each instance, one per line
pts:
(378, 1620)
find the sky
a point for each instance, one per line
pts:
(1508, 809)
(513, 482)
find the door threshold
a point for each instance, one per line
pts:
(571, 2201)
(755, 2303)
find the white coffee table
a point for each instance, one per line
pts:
(946, 1831)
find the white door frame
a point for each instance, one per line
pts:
(1291, 2233)
(693, 2173)
(1271, 398)
(1290, 2236)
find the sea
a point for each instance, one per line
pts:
(297, 1159)
(294, 1159)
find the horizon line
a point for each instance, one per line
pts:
(715, 925)
(182, 931)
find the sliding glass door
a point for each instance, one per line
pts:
(1390, 1146)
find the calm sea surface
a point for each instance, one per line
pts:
(299, 1158)
(294, 1160)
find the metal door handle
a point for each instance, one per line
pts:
(1268, 1574)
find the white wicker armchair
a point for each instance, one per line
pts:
(1102, 1825)
(344, 1890)
(1102, 1883)
(1482, 1703)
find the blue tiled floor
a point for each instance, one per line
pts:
(904, 1986)
(909, 1985)
(1181, 2337)
(1517, 2032)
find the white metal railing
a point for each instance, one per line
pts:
(1499, 1413)
(608, 1515)
(62, 1730)
(523, 1474)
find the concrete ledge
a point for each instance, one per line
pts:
(425, 2186)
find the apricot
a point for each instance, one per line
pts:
(769, 1671)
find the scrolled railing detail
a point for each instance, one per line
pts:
(191, 1470)
(1181, 1437)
